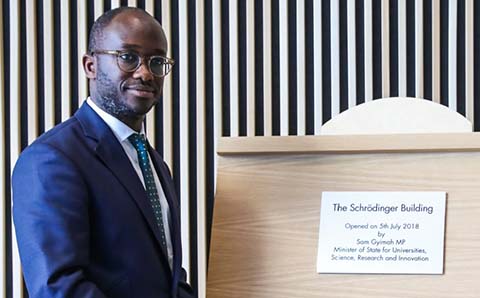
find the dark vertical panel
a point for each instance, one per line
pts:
(476, 68)
(393, 8)
(377, 48)
(90, 14)
(309, 70)
(242, 67)
(427, 50)
(444, 52)
(6, 139)
(461, 77)
(209, 122)
(73, 56)
(159, 112)
(107, 5)
(192, 143)
(23, 76)
(40, 68)
(360, 49)
(275, 69)
(343, 56)
(123, 2)
(225, 19)
(259, 110)
(57, 56)
(411, 48)
(292, 67)
(141, 4)
(175, 50)
(326, 63)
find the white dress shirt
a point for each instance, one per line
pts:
(122, 132)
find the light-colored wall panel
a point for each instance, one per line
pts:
(3, 209)
(352, 61)
(317, 67)
(251, 67)
(267, 68)
(15, 129)
(32, 69)
(233, 35)
(436, 50)
(284, 71)
(167, 88)
(335, 56)
(368, 50)
(183, 103)
(82, 49)
(452, 54)
(201, 136)
(65, 58)
(49, 51)
(300, 68)
(385, 49)
(419, 84)
(402, 48)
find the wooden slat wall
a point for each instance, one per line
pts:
(244, 68)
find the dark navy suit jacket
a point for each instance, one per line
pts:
(84, 224)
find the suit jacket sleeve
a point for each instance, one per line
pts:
(50, 211)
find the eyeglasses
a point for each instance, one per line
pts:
(127, 61)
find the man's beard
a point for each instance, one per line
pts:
(109, 98)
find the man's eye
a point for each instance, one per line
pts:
(158, 61)
(129, 58)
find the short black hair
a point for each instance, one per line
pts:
(96, 32)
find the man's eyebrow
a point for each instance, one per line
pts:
(137, 47)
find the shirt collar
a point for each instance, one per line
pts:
(120, 129)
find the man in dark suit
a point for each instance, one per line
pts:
(94, 205)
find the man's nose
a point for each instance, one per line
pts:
(143, 72)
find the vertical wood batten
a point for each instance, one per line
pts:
(217, 75)
(419, 84)
(469, 58)
(82, 49)
(317, 44)
(49, 51)
(201, 169)
(452, 54)
(385, 49)
(335, 54)
(116, 3)
(267, 67)
(233, 57)
(250, 68)
(98, 9)
(352, 69)
(283, 41)
(3, 213)
(368, 51)
(436, 63)
(15, 129)
(32, 86)
(402, 48)
(300, 67)
(167, 88)
(66, 68)
(183, 103)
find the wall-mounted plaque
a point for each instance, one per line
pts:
(382, 232)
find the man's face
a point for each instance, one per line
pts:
(123, 94)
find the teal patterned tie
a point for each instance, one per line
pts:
(138, 141)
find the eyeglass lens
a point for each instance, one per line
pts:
(130, 62)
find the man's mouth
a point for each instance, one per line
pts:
(141, 90)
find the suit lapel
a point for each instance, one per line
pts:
(111, 152)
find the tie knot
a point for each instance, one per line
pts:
(138, 141)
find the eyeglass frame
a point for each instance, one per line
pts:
(117, 53)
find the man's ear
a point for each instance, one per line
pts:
(89, 66)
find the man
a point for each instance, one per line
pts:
(94, 205)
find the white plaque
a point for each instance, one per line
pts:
(381, 232)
